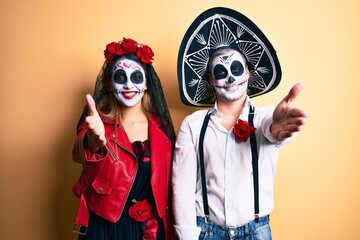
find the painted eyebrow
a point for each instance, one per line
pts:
(121, 65)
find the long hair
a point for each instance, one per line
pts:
(153, 102)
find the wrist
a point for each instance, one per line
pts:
(90, 144)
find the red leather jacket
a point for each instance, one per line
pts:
(107, 178)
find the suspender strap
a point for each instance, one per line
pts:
(255, 160)
(202, 165)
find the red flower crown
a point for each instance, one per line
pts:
(128, 46)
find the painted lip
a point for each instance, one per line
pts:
(129, 95)
(232, 87)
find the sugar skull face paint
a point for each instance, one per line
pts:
(128, 81)
(229, 74)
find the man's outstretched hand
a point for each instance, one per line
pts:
(95, 127)
(287, 119)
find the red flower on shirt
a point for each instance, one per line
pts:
(140, 211)
(242, 130)
(150, 230)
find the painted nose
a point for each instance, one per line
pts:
(128, 84)
(231, 79)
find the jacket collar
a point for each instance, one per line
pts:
(159, 143)
(158, 140)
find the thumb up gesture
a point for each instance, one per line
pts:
(95, 127)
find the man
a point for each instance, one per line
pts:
(225, 158)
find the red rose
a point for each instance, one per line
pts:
(128, 45)
(150, 230)
(242, 130)
(111, 50)
(141, 211)
(145, 54)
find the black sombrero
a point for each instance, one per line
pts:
(224, 27)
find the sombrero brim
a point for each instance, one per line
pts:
(224, 27)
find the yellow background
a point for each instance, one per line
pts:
(51, 52)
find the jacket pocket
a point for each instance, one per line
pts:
(102, 199)
(102, 187)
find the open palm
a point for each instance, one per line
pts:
(287, 119)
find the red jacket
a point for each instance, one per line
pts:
(107, 178)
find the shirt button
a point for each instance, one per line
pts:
(100, 189)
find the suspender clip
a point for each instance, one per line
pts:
(256, 218)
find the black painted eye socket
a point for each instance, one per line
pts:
(237, 69)
(120, 76)
(137, 77)
(220, 72)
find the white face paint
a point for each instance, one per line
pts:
(129, 82)
(229, 75)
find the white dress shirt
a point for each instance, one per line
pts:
(228, 171)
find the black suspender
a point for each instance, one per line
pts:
(255, 161)
(255, 158)
(202, 166)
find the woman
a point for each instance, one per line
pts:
(125, 142)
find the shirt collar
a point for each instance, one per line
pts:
(215, 111)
